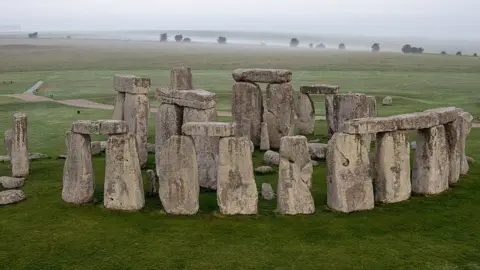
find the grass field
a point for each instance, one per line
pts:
(439, 232)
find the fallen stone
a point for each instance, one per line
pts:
(197, 99)
(295, 177)
(264, 139)
(37, 156)
(237, 191)
(349, 181)
(131, 84)
(181, 78)
(168, 123)
(99, 127)
(11, 196)
(319, 89)
(11, 182)
(262, 75)
(5, 159)
(279, 112)
(271, 157)
(178, 176)
(152, 183)
(264, 170)
(7, 142)
(387, 101)
(247, 103)
(318, 150)
(19, 157)
(118, 106)
(209, 129)
(267, 192)
(305, 112)
(136, 113)
(96, 148)
(151, 148)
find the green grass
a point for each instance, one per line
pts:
(439, 232)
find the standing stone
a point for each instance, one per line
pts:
(295, 177)
(372, 110)
(181, 78)
(118, 106)
(168, 123)
(305, 111)
(454, 135)
(329, 115)
(136, 112)
(431, 166)
(78, 177)
(392, 167)
(247, 103)
(347, 107)
(123, 177)
(236, 192)
(152, 183)
(466, 126)
(264, 139)
(205, 147)
(178, 176)
(349, 182)
(279, 115)
(7, 142)
(19, 158)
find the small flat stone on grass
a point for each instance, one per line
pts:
(209, 129)
(258, 75)
(264, 170)
(320, 89)
(11, 196)
(11, 182)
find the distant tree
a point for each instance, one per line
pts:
(443, 53)
(407, 48)
(420, 50)
(294, 42)
(459, 53)
(33, 35)
(222, 40)
(341, 46)
(475, 55)
(310, 45)
(187, 39)
(375, 47)
(178, 38)
(163, 37)
(320, 46)
(414, 50)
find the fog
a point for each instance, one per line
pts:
(409, 18)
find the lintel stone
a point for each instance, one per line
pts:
(209, 129)
(320, 89)
(197, 99)
(258, 75)
(99, 127)
(131, 84)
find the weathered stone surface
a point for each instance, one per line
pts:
(247, 104)
(320, 89)
(37, 156)
(413, 145)
(372, 110)
(446, 114)
(181, 78)
(151, 148)
(264, 138)
(279, 115)
(305, 111)
(96, 148)
(131, 84)
(209, 129)
(7, 142)
(466, 126)
(78, 177)
(109, 127)
(11, 182)
(318, 150)
(152, 183)
(197, 99)
(349, 182)
(262, 75)
(236, 191)
(315, 163)
(103, 145)
(387, 101)
(295, 177)
(271, 157)
(431, 166)
(19, 157)
(136, 113)
(178, 176)
(118, 106)
(99, 127)
(123, 178)
(392, 167)
(11, 196)
(267, 192)
(330, 115)
(453, 132)
(347, 107)
(205, 147)
(264, 170)
(168, 123)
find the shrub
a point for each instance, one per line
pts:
(475, 55)
(407, 48)
(163, 37)
(443, 53)
(310, 45)
(341, 46)
(459, 54)
(294, 42)
(178, 38)
(320, 46)
(375, 47)
(187, 39)
(222, 40)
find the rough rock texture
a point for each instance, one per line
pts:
(136, 113)
(372, 110)
(11, 182)
(329, 115)
(96, 148)
(322, 89)
(318, 150)
(118, 106)
(453, 132)
(123, 177)
(100, 127)
(152, 183)
(19, 157)
(168, 123)
(209, 129)
(349, 181)
(271, 157)
(347, 107)
(197, 99)
(267, 192)
(295, 177)
(78, 177)
(205, 147)
(151, 148)
(262, 75)
(431, 166)
(103, 145)
(413, 145)
(247, 102)
(387, 101)
(264, 170)
(236, 191)
(181, 78)
(264, 138)
(11, 196)
(7, 142)
(466, 126)
(131, 84)
(36, 156)
(305, 111)
(392, 167)
(178, 176)
(280, 112)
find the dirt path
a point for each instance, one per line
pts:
(83, 103)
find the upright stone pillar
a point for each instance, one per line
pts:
(118, 106)
(372, 110)
(168, 123)
(347, 107)
(181, 78)
(466, 126)
(305, 111)
(247, 103)
(280, 112)
(453, 134)
(19, 157)
(7, 142)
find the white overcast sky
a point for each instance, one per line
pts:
(443, 18)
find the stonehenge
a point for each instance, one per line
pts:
(19, 149)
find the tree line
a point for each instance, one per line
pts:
(180, 38)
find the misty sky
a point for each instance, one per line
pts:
(427, 18)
